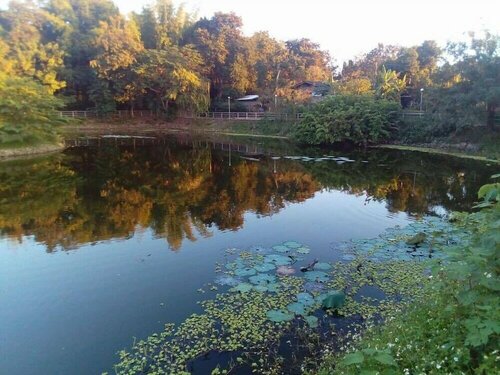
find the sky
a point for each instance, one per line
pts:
(348, 28)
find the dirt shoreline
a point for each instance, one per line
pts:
(28, 151)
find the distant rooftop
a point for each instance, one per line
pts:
(248, 98)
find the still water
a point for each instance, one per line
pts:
(112, 239)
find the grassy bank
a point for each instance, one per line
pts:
(440, 151)
(454, 328)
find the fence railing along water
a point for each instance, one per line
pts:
(250, 116)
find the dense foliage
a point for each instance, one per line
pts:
(162, 58)
(166, 60)
(455, 327)
(357, 119)
(27, 112)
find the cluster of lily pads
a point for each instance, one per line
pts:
(270, 293)
(337, 159)
(424, 238)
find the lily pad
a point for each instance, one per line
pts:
(265, 267)
(297, 308)
(322, 266)
(311, 320)
(274, 287)
(262, 278)
(278, 260)
(303, 250)
(292, 244)
(244, 271)
(242, 288)
(279, 316)
(261, 288)
(318, 276)
(305, 298)
(281, 248)
(333, 300)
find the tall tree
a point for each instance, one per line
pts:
(118, 43)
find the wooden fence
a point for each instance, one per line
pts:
(118, 114)
(245, 115)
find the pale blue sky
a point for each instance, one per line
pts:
(349, 27)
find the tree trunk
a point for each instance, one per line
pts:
(490, 118)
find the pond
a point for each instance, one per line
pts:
(116, 237)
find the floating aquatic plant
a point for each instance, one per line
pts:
(265, 267)
(242, 287)
(281, 248)
(292, 244)
(303, 250)
(296, 308)
(244, 320)
(245, 271)
(322, 266)
(278, 260)
(318, 276)
(279, 316)
(311, 320)
(262, 278)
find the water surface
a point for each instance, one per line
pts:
(111, 240)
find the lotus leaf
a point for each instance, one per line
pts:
(333, 300)
(305, 299)
(261, 288)
(243, 288)
(311, 320)
(279, 316)
(322, 266)
(303, 250)
(297, 308)
(262, 278)
(281, 248)
(292, 244)
(264, 267)
(278, 260)
(318, 276)
(273, 287)
(244, 271)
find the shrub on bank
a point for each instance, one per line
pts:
(28, 112)
(455, 328)
(360, 119)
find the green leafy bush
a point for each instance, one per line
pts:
(360, 119)
(455, 328)
(28, 112)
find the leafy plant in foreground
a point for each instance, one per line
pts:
(454, 327)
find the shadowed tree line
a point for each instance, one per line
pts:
(180, 192)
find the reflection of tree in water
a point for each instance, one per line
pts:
(179, 192)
